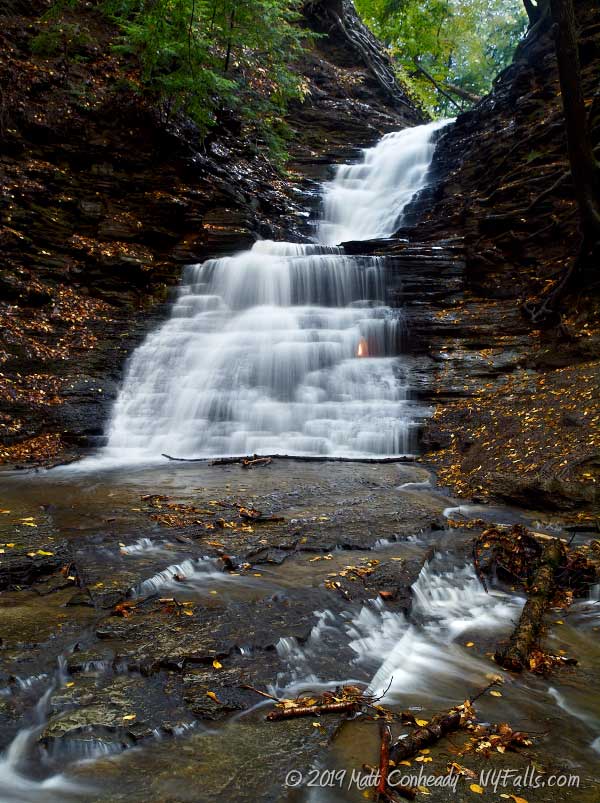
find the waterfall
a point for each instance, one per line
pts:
(287, 347)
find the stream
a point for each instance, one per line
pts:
(288, 348)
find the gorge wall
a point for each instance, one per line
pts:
(517, 411)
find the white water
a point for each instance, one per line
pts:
(16, 783)
(423, 655)
(286, 348)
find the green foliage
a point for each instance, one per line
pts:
(203, 57)
(465, 43)
(60, 38)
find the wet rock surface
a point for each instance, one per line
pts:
(145, 592)
(188, 604)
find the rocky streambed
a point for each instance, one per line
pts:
(139, 605)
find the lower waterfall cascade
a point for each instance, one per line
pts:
(285, 348)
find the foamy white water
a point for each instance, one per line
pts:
(287, 347)
(420, 655)
(366, 200)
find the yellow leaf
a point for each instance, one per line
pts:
(470, 644)
(69, 684)
(476, 788)
(10, 545)
(44, 552)
(405, 763)
(129, 717)
(423, 790)
(425, 752)
(213, 592)
(28, 518)
(496, 693)
(217, 664)
(558, 622)
(518, 799)
(212, 696)
(189, 613)
(29, 524)
(422, 722)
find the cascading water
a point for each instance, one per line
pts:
(287, 347)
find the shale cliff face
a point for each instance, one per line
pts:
(102, 204)
(517, 413)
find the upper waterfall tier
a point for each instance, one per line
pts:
(366, 200)
(287, 347)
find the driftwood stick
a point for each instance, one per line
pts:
(312, 710)
(384, 762)
(258, 691)
(227, 461)
(439, 726)
(515, 655)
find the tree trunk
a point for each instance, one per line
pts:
(525, 636)
(229, 40)
(472, 97)
(584, 167)
(533, 11)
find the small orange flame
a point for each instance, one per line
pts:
(363, 349)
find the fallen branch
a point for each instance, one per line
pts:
(258, 691)
(424, 736)
(253, 515)
(313, 710)
(228, 461)
(515, 655)
(439, 726)
(439, 88)
(257, 461)
(347, 699)
(384, 761)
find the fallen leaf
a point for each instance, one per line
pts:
(217, 664)
(212, 696)
(476, 788)
(129, 717)
(422, 722)
(496, 693)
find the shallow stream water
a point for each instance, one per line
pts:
(421, 657)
